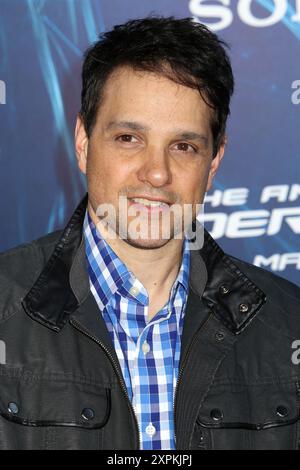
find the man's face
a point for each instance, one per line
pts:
(151, 143)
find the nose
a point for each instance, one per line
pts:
(155, 168)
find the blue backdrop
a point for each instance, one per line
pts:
(254, 208)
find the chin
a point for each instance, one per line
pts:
(147, 244)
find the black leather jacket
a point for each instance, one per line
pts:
(61, 385)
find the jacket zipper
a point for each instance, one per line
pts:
(121, 381)
(180, 375)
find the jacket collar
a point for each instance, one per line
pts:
(63, 285)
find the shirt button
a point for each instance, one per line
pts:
(145, 347)
(150, 430)
(134, 291)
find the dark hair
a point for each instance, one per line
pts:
(181, 49)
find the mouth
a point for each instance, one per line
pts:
(150, 205)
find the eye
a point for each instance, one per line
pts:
(185, 147)
(127, 138)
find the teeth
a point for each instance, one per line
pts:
(146, 202)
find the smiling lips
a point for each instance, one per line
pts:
(149, 204)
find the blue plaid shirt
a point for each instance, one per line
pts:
(148, 351)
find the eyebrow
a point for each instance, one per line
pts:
(189, 135)
(136, 126)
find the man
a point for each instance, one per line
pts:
(117, 339)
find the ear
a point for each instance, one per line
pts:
(81, 144)
(215, 164)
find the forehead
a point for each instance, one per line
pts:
(133, 93)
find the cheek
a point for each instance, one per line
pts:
(106, 179)
(192, 186)
(97, 178)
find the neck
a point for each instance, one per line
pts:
(155, 268)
